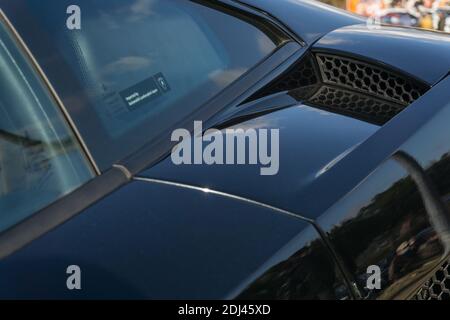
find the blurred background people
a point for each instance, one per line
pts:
(429, 14)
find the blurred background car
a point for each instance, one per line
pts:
(398, 17)
(427, 14)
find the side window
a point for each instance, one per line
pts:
(40, 159)
(141, 67)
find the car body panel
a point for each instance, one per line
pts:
(199, 231)
(347, 33)
(399, 211)
(422, 54)
(302, 17)
(367, 156)
(150, 240)
(310, 141)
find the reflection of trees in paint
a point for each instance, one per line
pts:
(308, 274)
(394, 229)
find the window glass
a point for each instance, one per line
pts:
(144, 65)
(40, 160)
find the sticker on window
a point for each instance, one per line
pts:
(145, 91)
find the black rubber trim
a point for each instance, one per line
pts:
(60, 211)
(268, 17)
(69, 206)
(47, 86)
(272, 28)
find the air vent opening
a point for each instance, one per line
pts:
(347, 86)
(438, 286)
(302, 74)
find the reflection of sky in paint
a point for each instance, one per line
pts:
(199, 50)
(433, 139)
(351, 204)
(427, 146)
(319, 136)
(393, 33)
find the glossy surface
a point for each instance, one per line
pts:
(155, 239)
(384, 205)
(310, 20)
(202, 245)
(386, 214)
(40, 158)
(132, 85)
(422, 54)
(399, 213)
(311, 141)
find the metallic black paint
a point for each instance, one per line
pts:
(149, 240)
(385, 210)
(158, 241)
(311, 141)
(310, 20)
(422, 54)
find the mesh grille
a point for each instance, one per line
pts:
(368, 78)
(352, 103)
(347, 86)
(438, 286)
(304, 73)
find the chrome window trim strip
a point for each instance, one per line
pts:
(4, 19)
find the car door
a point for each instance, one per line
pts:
(41, 157)
(396, 203)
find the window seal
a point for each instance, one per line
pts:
(270, 19)
(50, 89)
(60, 211)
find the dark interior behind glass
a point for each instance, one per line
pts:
(142, 65)
(40, 158)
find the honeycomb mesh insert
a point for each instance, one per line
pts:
(304, 73)
(354, 104)
(438, 286)
(368, 78)
(346, 86)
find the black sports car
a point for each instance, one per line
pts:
(93, 205)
